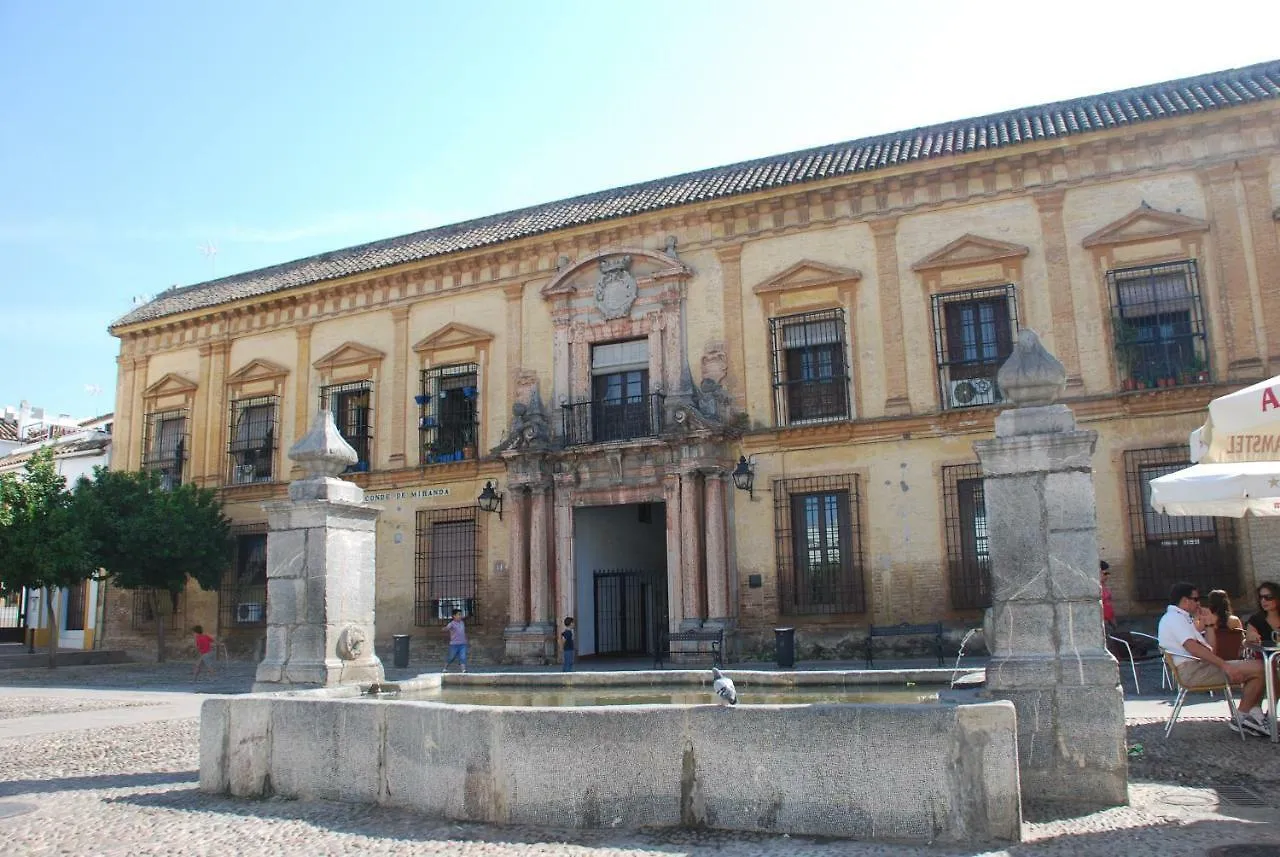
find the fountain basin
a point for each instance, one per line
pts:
(922, 772)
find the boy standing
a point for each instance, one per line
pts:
(457, 631)
(567, 634)
(204, 652)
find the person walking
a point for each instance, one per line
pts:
(569, 647)
(457, 631)
(205, 655)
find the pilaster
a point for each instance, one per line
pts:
(399, 381)
(1058, 279)
(735, 336)
(718, 611)
(1232, 273)
(1261, 219)
(885, 233)
(539, 557)
(691, 597)
(675, 552)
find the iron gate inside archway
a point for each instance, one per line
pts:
(630, 606)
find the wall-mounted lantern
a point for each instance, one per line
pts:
(744, 476)
(490, 500)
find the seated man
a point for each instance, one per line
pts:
(1196, 663)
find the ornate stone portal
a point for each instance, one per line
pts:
(1044, 628)
(320, 573)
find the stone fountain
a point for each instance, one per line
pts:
(320, 573)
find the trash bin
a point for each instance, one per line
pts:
(784, 647)
(401, 645)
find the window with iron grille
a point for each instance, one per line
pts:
(448, 415)
(352, 408)
(1158, 325)
(1169, 549)
(252, 447)
(147, 602)
(968, 542)
(164, 445)
(242, 596)
(818, 534)
(810, 367)
(973, 333)
(446, 564)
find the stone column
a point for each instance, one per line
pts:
(320, 573)
(1044, 628)
(691, 556)
(717, 542)
(562, 541)
(675, 549)
(518, 560)
(539, 560)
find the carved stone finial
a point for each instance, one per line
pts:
(323, 451)
(1031, 377)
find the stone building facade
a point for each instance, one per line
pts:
(835, 317)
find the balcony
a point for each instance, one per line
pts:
(605, 420)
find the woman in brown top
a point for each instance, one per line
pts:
(1222, 628)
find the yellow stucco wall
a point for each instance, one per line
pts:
(897, 456)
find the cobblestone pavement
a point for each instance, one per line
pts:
(130, 788)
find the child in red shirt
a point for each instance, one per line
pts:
(205, 655)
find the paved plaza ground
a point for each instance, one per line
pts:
(102, 760)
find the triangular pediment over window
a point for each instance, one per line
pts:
(169, 384)
(348, 353)
(453, 335)
(256, 370)
(1145, 223)
(808, 274)
(970, 249)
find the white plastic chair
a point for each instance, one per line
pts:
(1133, 666)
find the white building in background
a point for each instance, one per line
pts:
(78, 447)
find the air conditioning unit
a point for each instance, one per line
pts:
(244, 474)
(446, 606)
(249, 613)
(968, 392)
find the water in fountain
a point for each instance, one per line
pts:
(964, 642)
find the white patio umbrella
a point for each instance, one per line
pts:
(1238, 455)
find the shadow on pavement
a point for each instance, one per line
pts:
(10, 788)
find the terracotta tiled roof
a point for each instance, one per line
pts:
(8, 430)
(1150, 103)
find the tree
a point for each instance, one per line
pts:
(43, 544)
(152, 539)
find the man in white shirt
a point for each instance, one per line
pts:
(1197, 664)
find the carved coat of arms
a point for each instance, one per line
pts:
(616, 288)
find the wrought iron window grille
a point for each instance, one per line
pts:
(810, 367)
(251, 450)
(448, 413)
(818, 542)
(446, 565)
(164, 446)
(1158, 326)
(146, 602)
(968, 542)
(1168, 549)
(973, 334)
(352, 407)
(242, 594)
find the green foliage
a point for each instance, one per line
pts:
(42, 542)
(148, 538)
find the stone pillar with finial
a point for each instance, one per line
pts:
(1044, 627)
(320, 572)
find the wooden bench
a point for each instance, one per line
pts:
(904, 630)
(714, 636)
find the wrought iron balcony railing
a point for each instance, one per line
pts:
(604, 420)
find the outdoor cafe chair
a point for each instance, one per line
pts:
(1133, 662)
(1224, 684)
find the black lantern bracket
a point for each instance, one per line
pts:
(490, 499)
(744, 475)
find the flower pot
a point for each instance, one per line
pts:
(420, 399)
(468, 452)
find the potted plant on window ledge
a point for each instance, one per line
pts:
(1126, 345)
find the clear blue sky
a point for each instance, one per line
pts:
(133, 133)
